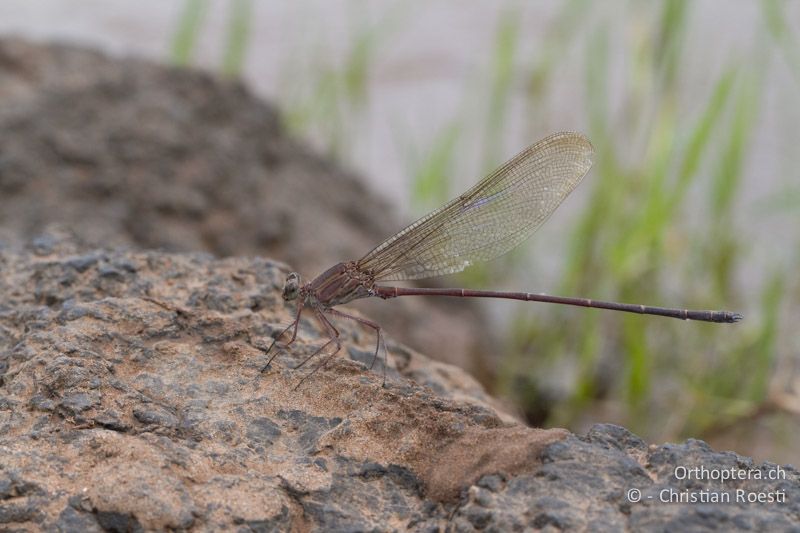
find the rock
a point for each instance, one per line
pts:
(128, 152)
(137, 402)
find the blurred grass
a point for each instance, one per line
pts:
(501, 81)
(190, 26)
(779, 29)
(431, 172)
(327, 100)
(237, 37)
(555, 45)
(186, 34)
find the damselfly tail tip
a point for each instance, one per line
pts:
(736, 317)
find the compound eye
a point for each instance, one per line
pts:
(291, 289)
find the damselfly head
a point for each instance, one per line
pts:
(291, 289)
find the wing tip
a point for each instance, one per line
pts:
(576, 138)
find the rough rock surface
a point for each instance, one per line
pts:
(132, 399)
(128, 152)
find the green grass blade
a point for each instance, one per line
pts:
(560, 34)
(782, 33)
(502, 77)
(701, 136)
(185, 38)
(237, 37)
(761, 359)
(430, 182)
(670, 39)
(730, 168)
